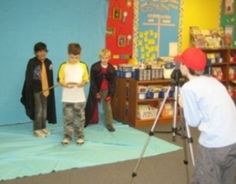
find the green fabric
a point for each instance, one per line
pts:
(22, 154)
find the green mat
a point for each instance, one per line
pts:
(22, 154)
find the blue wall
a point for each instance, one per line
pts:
(56, 22)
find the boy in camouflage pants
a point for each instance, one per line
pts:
(73, 76)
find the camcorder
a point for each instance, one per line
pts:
(177, 79)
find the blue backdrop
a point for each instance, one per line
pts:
(56, 22)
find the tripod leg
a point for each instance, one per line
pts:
(183, 134)
(188, 137)
(174, 129)
(151, 133)
(190, 142)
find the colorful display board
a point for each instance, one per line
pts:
(228, 19)
(157, 28)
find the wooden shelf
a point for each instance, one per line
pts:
(232, 82)
(214, 49)
(219, 64)
(226, 54)
(154, 100)
(148, 100)
(161, 81)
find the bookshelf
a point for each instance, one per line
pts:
(126, 102)
(222, 65)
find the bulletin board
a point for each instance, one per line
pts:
(157, 27)
(228, 18)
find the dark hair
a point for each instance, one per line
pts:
(74, 48)
(40, 46)
(195, 73)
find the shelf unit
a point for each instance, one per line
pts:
(228, 56)
(125, 102)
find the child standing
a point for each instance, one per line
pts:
(208, 106)
(38, 100)
(101, 89)
(73, 76)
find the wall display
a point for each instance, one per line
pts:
(157, 26)
(228, 21)
(206, 38)
(120, 30)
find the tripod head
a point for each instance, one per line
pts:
(177, 79)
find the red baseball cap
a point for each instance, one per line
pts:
(193, 58)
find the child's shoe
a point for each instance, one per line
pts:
(65, 141)
(110, 128)
(39, 133)
(80, 141)
(46, 132)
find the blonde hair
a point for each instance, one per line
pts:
(105, 53)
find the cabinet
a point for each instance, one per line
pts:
(222, 65)
(126, 101)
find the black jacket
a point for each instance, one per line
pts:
(32, 84)
(96, 77)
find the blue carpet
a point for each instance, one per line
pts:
(22, 154)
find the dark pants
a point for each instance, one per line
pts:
(215, 165)
(106, 108)
(40, 102)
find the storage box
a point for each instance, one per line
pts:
(146, 112)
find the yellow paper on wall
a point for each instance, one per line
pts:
(140, 34)
(139, 42)
(156, 35)
(142, 56)
(151, 41)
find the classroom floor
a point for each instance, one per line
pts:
(163, 169)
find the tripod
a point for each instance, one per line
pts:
(185, 133)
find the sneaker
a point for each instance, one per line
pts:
(46, 132)
(39, 133)
(80, 141)
(110, 128)
(65, 141)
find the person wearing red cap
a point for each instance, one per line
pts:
(208, 106)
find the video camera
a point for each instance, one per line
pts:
(177, 79)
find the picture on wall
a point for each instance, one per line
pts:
(117, 14)
(229, 32)
(122, 41)
(110, 31)
(229, 7)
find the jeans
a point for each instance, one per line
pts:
(215, 165)
(40, 111)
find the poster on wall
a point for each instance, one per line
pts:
(158, 26)
(229, 7)
(228, 21)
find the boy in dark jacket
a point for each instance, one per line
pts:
(38, 99)
(102, 88)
